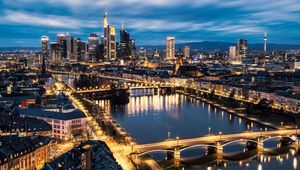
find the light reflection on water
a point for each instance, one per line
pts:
(150, 118)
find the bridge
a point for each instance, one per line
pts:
(216, 143)
(97, 75)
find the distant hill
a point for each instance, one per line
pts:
(19, 48)
(203, 46)
(224, 46)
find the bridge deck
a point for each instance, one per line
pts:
(211, 139)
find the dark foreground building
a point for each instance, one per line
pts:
(88, 155)
(24, 152)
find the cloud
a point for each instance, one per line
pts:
(186, 19)
(25, 18)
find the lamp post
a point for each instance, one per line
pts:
(260, 129)
(177, 138)
(209, 130)
(220, 133)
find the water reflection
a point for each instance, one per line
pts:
(150, 118)
(288, 160)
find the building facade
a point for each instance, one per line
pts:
(187, 52)
(170, 48)
(242, 48)
(65, 125)
(109, 39)
(25, 153)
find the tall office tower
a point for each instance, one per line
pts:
(74, 50)
(65, 41)
(110, 46)
(242, 48)
(45, 44)
(56, 53)
(232, 53)
(124, 49)
(45, 52)
(82, 49)
(186, 52)
(156, 53)
(132, 48)
(170, 48)
(93, 43)
(142, 53)
(265, 42)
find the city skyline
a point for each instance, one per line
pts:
(150, 23)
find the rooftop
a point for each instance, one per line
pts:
(38, 112)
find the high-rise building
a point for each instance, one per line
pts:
(186, 52)
(142, 53)
(110, 46)
(82, 49)
(93, 43)
(45, 52)
(74, 50)
(265, 42)
(56, 53)
(170, 48)
(45, 44)
(124, 50)
(132, 48)
(232, 53)
(65, 41)
(124, 36)
(156, 53)
(242, 48)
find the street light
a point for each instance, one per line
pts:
(220, 133)
(177, 138)
(281, 123)
(260, 129)
(209, 130)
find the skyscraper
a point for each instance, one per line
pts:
(45, 44)
(82, 50)
(65, 41)
(124, 50)
(232, 52)
(132, 48)
(265, 42)
(45, 52)
(93, 43)
(242, 48)
(109, 40)
(56, 53)
(142, 53)
(170, 48)
(73, 50)
(186, 52)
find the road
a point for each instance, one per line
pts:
(211, 139)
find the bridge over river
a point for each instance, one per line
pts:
(218, 142)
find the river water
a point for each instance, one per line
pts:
(150, 118)
(154, 118)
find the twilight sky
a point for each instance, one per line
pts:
(23, 22)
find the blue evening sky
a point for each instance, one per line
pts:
(23, 22)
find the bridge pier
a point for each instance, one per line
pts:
(260, 144)
(177, 153)
(219, 150)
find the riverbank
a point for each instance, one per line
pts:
(232, 111)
